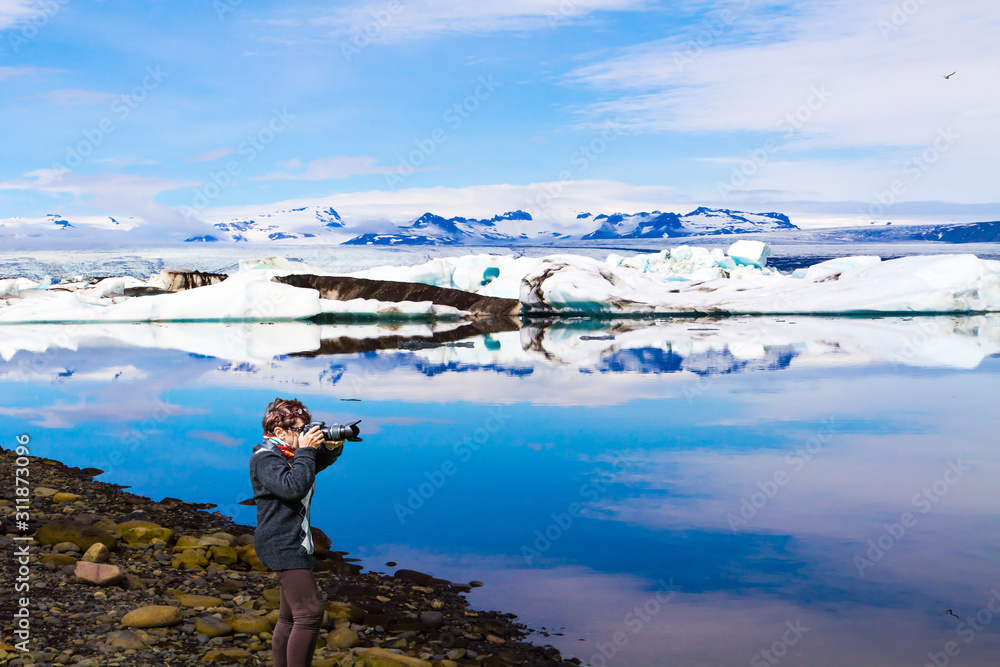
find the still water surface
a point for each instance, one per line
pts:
(796, 491)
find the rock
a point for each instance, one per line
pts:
(133, 582)
(272, 617)
(192, 601)
(413, 576)
(245, 539)
(107, 525)
(251, 625)
(377, 657)
(493, 639)
(81, 535)
(153, 616)
(143, 532)
(455, 654)
(248, 554)
(186, 541)
(406, 625)
(212, 542)
(432, 619)
(100, 574)
(66, 497)
(63, 547)
(226, 655)
(97, 553)
(45, 492)
(223, 555)
(59, 559)
(190, 559)
(342, 639)
(228, 538)
(345, 610)
(273, 596)
(123, 640)
(213, 627)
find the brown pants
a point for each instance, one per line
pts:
(299, 617)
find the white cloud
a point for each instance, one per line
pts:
(339, 166)
(77, 97)
(13, 12)
(211, 155)
(882, 90)
(422, 18)
(11, 72)
(552, 202)
(120, 195)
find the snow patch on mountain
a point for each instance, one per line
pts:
(701, 221)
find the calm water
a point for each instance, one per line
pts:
(676, 492)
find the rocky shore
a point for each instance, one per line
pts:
(118, 579)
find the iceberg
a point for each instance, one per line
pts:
(681, 280)
(926, 284)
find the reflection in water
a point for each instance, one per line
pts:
(763, 467)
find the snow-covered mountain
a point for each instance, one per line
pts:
(516, 226)
(431, 229)
(701, 221)
(307, 222)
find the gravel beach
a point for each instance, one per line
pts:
(114, 578)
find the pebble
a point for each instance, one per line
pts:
(165, 615)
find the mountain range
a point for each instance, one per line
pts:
(512, 227)
(319, 224)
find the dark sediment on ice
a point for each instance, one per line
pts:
(344, 288)
(348, 345)
(118, 579)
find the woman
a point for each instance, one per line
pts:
(283, 474)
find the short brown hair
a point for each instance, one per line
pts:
(284, 413)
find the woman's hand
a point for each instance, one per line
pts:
(313, 438)
(333, 444)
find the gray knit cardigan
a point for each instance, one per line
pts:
(283, 488)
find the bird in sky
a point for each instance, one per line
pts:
(951, 75)
(950, 613)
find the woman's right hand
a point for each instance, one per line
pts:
(313, 438)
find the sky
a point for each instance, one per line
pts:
(840, 111)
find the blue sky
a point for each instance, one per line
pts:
(745, 102)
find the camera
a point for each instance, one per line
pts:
(336, 432)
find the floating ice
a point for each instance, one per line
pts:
(750, 253)
(680, 280)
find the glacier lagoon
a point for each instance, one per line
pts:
(814, 491)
